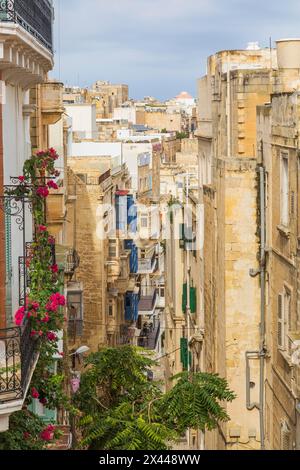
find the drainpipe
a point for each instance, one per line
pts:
(262, 346)
(261, 354)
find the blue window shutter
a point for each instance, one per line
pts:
(132, 214)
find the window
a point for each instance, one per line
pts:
(284, 190)
(285, 437)
(284, 319)
(112, 249)
(111, 308)
(144, 221)
(75, 314)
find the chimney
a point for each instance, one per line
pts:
(288, 60)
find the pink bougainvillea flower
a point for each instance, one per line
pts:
(34, 393)
(42, 228)
(56, 173)
(53, 154)
(50, 428)
(42, 191)
(58, 299)
(46, 435)
(46, 319)
(51, 336)
(28, 263)
(51, 184)
(52, 306)
(26, 435)
(43, 401)
(21, 179)
(54, 268)
(41, 153)
(19, 316)
(35, 305)
(33, 333)
(61, 354)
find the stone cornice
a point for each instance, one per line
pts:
(23, 60)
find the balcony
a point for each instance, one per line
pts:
(26, 53)
(18, 357)
(35, 16)
(148, 338)
(52, 102)
(148, 265)
(148, 301)
(113, 270)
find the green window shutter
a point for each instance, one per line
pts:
(185, 354)
(184, 297)
(183, 351)
(49, 416)
(193, 299)
(8, 265)
(8, 244)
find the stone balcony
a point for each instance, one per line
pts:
(113, 270)
(26, 53)
(52, 102)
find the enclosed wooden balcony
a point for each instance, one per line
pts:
(52, 102)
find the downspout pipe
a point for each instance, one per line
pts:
(261, 353)
(262, 346)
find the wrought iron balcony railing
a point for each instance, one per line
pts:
(36, 16)
(18, 354)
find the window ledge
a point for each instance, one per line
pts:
(286, 357)
(285, 231)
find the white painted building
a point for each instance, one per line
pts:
(125, 114)
(120, 152)
(83, 117)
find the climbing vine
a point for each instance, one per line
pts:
(44, 306)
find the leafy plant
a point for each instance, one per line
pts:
(122, 410)
(43, 308)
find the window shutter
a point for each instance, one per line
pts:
(185, 354)
(8, 262)
(184, 297)
(286, 437)
(280, 322)
(293, 203)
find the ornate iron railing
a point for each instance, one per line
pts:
(36, 16)
(18, 354)
(24, 263)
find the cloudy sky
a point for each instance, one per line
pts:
(159, 47)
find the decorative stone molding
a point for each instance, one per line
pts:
(23, 60)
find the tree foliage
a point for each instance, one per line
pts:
(121, 409)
